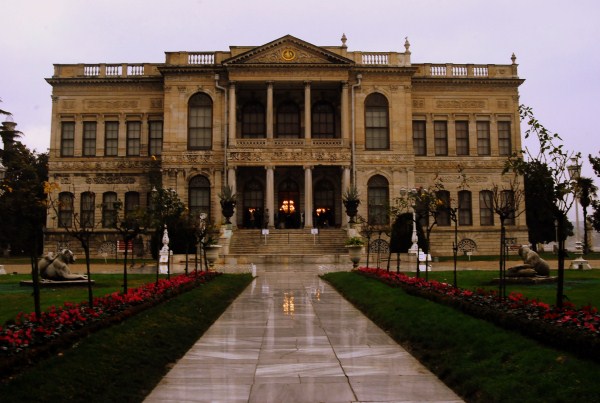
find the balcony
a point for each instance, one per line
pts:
(286, 143)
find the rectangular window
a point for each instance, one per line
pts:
(504, 144)
(200, 128)
(465, 212)
(156, 138)
(134, 131)
(462, 137)
(419, 139)
(440, 129)
(111, 139)
(67, 139)
(89, 139)
(87, 210)
(483, 138)
(486, 205)
(507, 200)
(443, 202)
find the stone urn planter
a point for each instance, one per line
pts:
(354, 253)
(351, 201)
(227, 208)
(212, 254)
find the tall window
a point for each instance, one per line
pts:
(486, 212)
(288, 120)
(253, 120)
(111, 139)
(132, 203)
(199, 195)
(89, 139)
(440, 129)
(419, 137)
(134, 136)
(200, 122)
(504, 146)
(323, 120)
(378, 199)
(483, 138)
(109, 209)
(377, 135)
(507, 200)
(87, 210)
(462, 137)
(67, 139)
(156, 138)
(443, 215)
(65, 209)
(465, 210)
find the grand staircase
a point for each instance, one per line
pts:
(287, 246)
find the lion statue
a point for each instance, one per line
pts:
(533, 265)
(57, 267)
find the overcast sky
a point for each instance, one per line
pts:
(557, 44)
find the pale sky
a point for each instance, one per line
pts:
(557, 44)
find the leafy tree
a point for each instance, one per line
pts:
(22, 211)
(586, 190)
(595, 217)
(552, 155)
(539, 206)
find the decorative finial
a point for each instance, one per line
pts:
(514, 59)
(406, 44)
(344, 39)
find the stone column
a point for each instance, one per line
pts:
(308, 197)
(270, 111)
(307, 111)
(231, 181)
(271, 195)
(345, 113)
(345, 186)
(232, 114)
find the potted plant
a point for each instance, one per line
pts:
(351, 201)
(211, 251)
(227, 200)
(355, 245)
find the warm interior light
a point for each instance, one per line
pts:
(288, 206)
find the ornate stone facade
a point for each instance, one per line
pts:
(290, 126)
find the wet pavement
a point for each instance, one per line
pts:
(289, 337)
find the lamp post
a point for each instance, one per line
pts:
(574, 173)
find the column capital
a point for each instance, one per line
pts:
(308, 167)
(307, 82)
(272, 167)
(344, 84)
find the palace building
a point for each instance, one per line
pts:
(289, 126)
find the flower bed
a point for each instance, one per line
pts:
(577, 330)
(56, 327)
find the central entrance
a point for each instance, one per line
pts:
(289, 214)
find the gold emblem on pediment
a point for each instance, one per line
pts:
(288, 54)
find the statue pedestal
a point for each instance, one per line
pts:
(55, 284)
(580, 264)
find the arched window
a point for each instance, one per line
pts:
(288, 120)
(132, 203)
(253, 120)
(65, 210)
(87, 209)
(199, 195)
(443, 215)
(378, 199)
(507, 200)
(109, 209)
(486, 204)
(323, 120)
(200, 122)
(377, 135)
(465, 211)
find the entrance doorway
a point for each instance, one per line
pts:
(289, 214)
(324, 203)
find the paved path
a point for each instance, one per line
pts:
(289, 337)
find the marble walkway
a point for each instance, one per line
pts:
(289, 337)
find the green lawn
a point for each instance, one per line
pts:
(16, 298)
(124, 362)
(581, 287)
(480, 361)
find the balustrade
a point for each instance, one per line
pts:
(201, 58)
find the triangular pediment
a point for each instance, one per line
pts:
(288, 50)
